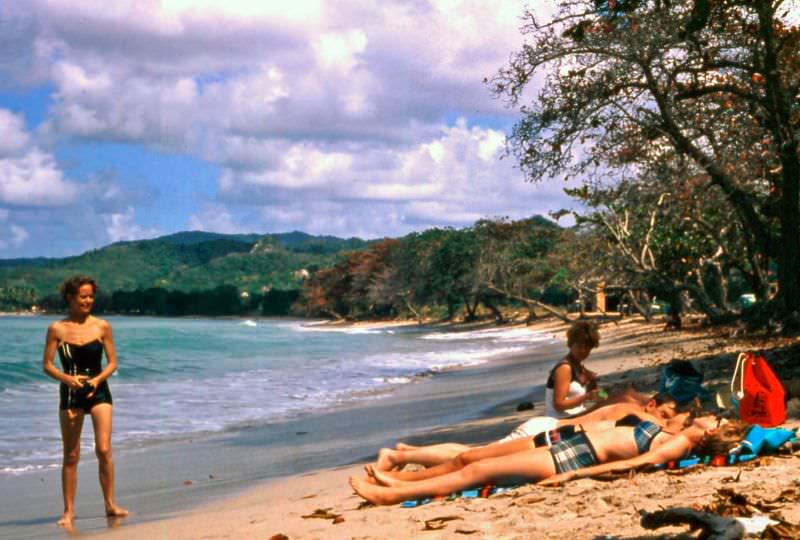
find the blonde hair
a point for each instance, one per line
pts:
(722, 439)
(584, 333)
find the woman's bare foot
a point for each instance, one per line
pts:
(116, 511)
(386, 479)
(386, 460)
(374, 494)
(404, 446)
(67, 520)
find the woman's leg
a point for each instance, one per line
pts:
(71, 421)
(435, 454)
(465, 458)
(528, 466)
(101, 420)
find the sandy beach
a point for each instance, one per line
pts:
(629, 352)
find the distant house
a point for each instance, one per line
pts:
(301, 274)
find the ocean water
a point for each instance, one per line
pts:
(179, 379)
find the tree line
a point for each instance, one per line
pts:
(442, 273)
(223, 300)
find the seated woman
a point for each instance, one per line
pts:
(659, 409)
(570, 384)
(588, 452)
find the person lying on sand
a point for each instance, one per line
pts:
(586, 453)
(659, 409)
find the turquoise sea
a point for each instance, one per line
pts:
(186, 379)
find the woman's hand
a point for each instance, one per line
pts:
(76, 381)
(93, 383)
(558, 479)
(594, 395)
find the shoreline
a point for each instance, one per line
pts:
(202, 471)
(629, 351)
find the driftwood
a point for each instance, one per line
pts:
(713, 527)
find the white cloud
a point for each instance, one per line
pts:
(175, 73)
(34, 179)
(13, 137)
(215, 218)
(39, 206)
(122, 226)
(453, 179)
(330, 116)
(338, 51)
(18, 235)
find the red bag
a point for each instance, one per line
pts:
(760, 392)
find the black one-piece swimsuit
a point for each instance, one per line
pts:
(82, 360)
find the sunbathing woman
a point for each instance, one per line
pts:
(659, 409)
(580, 455)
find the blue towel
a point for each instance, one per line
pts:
(761, 440)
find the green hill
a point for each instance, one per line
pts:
(184, 261)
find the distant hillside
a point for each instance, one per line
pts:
(38, 261)
(185, 261)
(188, 238)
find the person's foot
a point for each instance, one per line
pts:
(115, 511)
(374, 494)
(386, 479)
(404, 446)
(67, 520)
(387, 460)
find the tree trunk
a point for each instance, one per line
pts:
(779, 103)
(643, 310)
(789, 255)
(498, 315)
(471, 309)
(529, 302)
(531, 315)
(410, 307)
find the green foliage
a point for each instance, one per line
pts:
(440, 271)
(164, 275)
(695, 101)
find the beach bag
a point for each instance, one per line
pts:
(682, 381)
(758, 391)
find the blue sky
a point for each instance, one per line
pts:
(134, 119)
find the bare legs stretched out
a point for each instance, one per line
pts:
(527, 465)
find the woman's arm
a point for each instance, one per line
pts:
(561, 381)
(675, 448)
(48, 366)
(107, 337)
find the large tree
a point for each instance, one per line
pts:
(714, 81)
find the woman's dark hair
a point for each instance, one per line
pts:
(71, 286)
(583, 332)
(662, 397)
(721, 440)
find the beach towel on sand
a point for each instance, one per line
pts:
(758, 441)
(764, 440)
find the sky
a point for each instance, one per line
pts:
(133, 119)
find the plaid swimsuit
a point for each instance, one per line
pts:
(577, 451)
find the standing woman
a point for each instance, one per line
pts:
(570, 384)
(80, 339)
